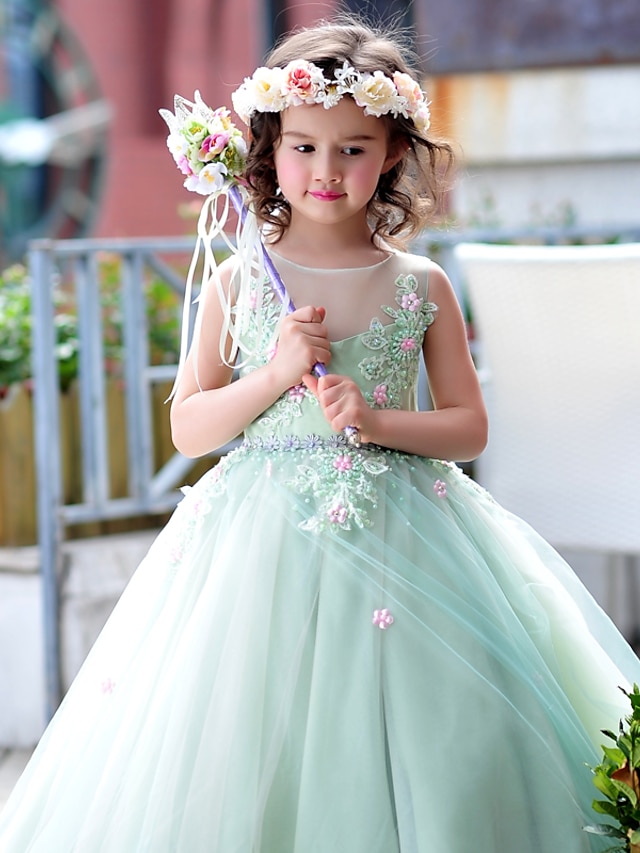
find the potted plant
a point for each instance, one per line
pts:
(617, 777)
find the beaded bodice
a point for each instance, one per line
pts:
(291, 443)
(383, 359)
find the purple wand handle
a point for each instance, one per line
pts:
(351, 433)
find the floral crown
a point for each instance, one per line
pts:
(271, 90)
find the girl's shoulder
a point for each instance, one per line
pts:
(413, 263)
(419, 266)
(430, 275)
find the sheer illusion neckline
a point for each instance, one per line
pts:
(332, 270)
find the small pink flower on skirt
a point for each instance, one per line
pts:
(407, 345)
(380, 397)
(108, 686)
(440, 488)
(337, 514)
(343, 463)
(271, 353)
(382, 618)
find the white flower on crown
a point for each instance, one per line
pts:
(302, 82)
(346, 77)
(242, 103)
(422, 118)
(377, 94)
(266, 90)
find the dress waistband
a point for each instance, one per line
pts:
(310, 443)
(274, 443)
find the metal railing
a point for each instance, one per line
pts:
(149, 492)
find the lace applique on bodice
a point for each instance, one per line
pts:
(338, 483)
(395, 367)
(383, 359)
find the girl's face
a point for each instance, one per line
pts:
(328, 161)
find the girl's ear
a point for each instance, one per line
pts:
(396, 153)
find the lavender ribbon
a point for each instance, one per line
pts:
(352, 433)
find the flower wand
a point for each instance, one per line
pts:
(211, 152)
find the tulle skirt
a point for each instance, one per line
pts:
(300, 668)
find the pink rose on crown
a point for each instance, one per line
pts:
(409, 90)
(301, 82)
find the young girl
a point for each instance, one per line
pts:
(333, 647)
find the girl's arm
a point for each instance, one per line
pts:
(457, 427)
(203, 420)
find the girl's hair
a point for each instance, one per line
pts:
(408, 195)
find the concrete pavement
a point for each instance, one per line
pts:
(12, 763)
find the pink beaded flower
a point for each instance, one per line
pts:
(440, 488)
(382, 618)
(343, 463)
(296, 393)
(407, 345)
(411, 302)
(337, 514)
(380, 395)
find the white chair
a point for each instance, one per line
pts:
(558, 330)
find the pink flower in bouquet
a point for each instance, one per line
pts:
(213, 145)
(184, 165)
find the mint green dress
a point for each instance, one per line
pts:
(335, 650)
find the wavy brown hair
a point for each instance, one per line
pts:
(409, 194)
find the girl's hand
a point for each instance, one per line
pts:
(303, 341)
(342, 403)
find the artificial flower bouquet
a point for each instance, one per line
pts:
(205, 144)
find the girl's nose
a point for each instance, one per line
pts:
(327, 170)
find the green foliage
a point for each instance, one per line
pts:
(15, 332)
(15, 327)
(617, 778)
(16, 324)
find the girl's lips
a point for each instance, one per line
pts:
(326, 195)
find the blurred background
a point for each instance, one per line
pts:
(542, 99)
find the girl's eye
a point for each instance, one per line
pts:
(304, 149)
(352, 151)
